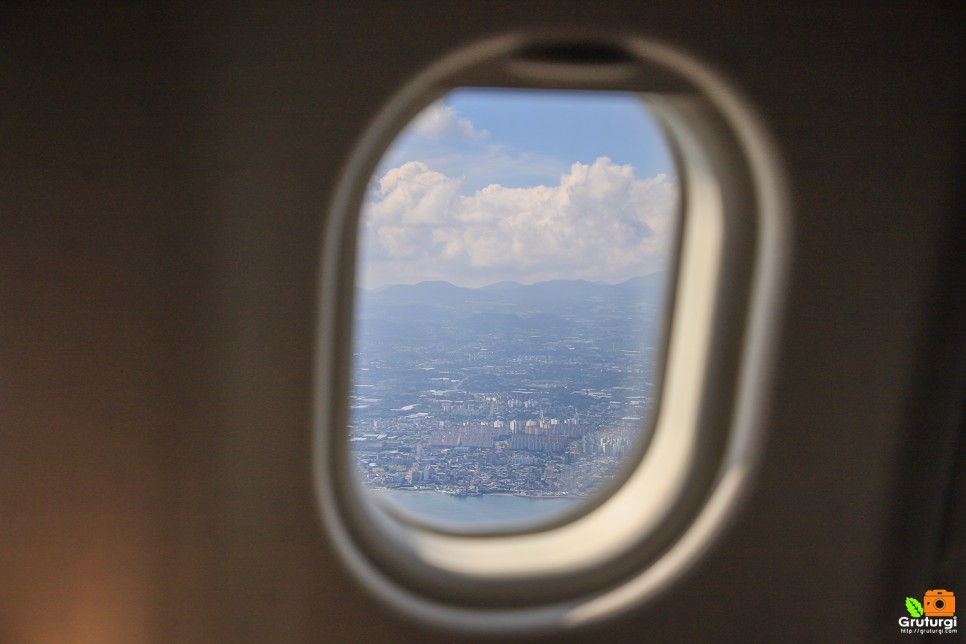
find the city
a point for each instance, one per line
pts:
(538, 391)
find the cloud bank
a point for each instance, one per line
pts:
(599, 222)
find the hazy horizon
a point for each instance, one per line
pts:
(515, 282)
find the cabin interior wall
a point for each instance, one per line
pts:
(165, 175)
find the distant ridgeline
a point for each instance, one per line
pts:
(509, 303)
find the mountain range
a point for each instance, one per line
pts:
(429, 312)
(541, 295)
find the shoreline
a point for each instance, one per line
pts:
(568, 497)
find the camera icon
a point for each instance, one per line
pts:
(939, 603)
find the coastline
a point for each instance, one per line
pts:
(518, 495)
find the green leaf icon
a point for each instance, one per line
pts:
(914, 607)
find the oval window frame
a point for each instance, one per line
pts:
(723, 321)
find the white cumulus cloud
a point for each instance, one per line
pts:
(599, 222)
(439, 120)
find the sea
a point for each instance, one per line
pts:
(480, 512)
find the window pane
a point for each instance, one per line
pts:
(513, 253)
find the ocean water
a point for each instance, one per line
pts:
(488, 511)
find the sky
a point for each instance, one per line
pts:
(486, 186)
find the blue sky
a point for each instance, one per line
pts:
(491, 185)
(569, 126)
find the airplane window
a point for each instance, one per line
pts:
(513, 254)
(545, 320)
